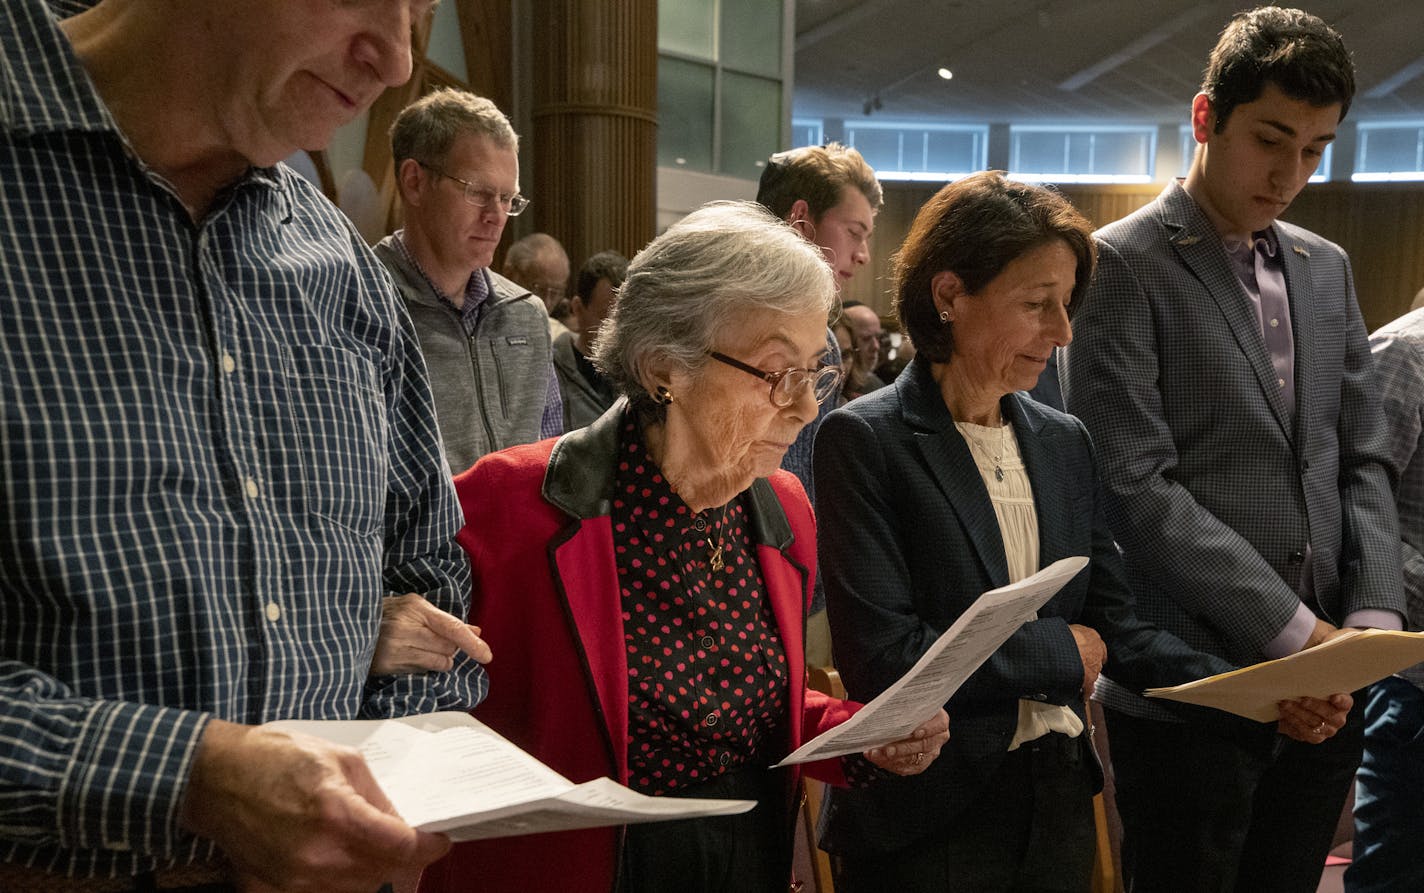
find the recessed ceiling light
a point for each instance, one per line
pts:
(946, 73)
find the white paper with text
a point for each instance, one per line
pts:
(953, 658)
(450, 773)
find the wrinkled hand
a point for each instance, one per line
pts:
(1312, 720)
(913, 755)
(296, 813)
(1091, 651)
(417, 637)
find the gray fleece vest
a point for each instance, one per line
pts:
(490, 388)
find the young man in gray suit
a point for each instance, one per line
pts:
(1222, 367)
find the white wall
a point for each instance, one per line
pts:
(681, 192)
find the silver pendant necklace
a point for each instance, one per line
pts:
(996, 457)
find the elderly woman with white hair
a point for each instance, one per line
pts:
(643, 581)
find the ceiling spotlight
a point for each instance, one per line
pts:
(946, 73)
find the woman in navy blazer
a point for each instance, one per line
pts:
(951, 483)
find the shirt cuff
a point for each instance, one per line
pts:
(860, 772)
(1293, 637)
(1374, 618)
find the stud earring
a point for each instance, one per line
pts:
(944, 316)
(662, 396)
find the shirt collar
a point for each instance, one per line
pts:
(1265, 241)
(43, 86)
(475, 295)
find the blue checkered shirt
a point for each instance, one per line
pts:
(218, 452)
(1398, 350)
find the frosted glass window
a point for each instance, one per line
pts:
(688, 27)
(447, 47)
(685, 114)
(1040, 151)
(955, 151)
(1390, 149)
(751, 36)
(1083, 154)
(881, 147)
(751, 123)
(807, 132)
(1121, 152)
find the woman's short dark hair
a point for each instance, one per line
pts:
(974, 228)
(1294, 50)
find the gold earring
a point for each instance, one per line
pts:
(662, 396)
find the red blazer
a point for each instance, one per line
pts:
(546, 595)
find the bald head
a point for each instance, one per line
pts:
(539, 263)
(865, 324)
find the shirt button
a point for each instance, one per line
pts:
(711, 719)
(274, 611)
(252, 490)
(1275, 322)
(700, 524)
(228, 363)
(1281, 382)
(708, 641)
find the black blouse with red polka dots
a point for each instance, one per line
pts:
(707, 671)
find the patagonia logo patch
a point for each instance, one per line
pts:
(515, 340)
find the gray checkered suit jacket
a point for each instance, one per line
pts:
(1213, 490)
(909, 538)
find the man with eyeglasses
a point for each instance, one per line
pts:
(539, 263)
(485, 339)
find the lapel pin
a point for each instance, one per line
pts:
(1301, 251)
(1188, 241)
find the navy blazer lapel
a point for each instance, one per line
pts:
(1038, 447)
(948, 459)
(1200, 248)
(1300, 288)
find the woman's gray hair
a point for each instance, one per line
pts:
(688, 286)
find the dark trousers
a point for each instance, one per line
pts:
(1031, 830)
(1208, 809)
(1389, 793)
(747, 853)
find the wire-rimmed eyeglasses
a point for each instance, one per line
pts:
(786, 383)
(480, 197)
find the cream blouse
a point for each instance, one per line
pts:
(996, 454)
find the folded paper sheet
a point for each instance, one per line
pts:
(953, 658)
(1351, 660)
(451, 773)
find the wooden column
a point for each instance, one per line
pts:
(595, 95)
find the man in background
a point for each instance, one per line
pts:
(485, 339)
(830, 196)
(1389, 788)
(218, 454)
(539, 263)
(865, 324)
(586, 392)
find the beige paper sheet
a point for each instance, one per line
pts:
(1351, 660)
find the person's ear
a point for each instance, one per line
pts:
(946, 288)
(410, 176)
(1203, 118)
(800, 214)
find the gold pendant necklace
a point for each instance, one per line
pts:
(714, 551)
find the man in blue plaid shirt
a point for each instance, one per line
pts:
(1389, 788)
(218, 454)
